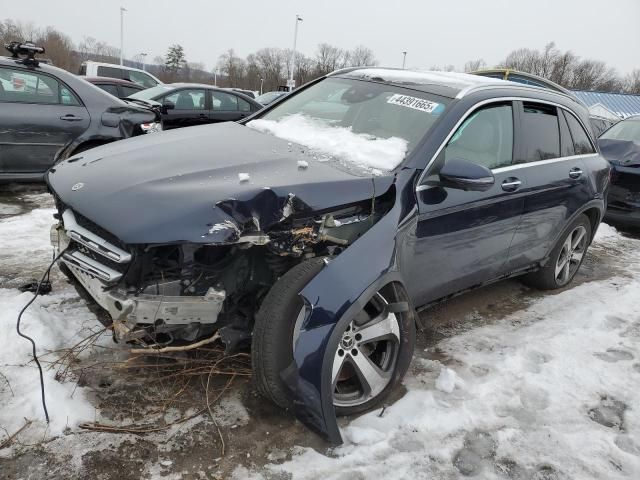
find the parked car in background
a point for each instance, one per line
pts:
(47, 114)
(315, 230)
(115, 86)
(269, 97)
(600, 124)
(248, 93)
(135, 75)
(189, 104)
(621, 146)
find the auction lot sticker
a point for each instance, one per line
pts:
(413, 102)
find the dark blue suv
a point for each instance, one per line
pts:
(313, 231)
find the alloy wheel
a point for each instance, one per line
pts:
(571, 254)
(367, 354)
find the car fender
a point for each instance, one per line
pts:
(332, 298)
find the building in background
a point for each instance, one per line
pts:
(613, 106)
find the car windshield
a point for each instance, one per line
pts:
(369, 124)
(151, 93)
(625, 130)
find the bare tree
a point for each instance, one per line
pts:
(632, 82)
(474, 65)
(328, 58)
(361, 56)
(232, 67)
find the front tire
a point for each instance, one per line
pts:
(566, 257)
(372, 357)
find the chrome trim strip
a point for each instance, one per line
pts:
(542, 162)
(90, 266)
(474, 107)
(92, 241)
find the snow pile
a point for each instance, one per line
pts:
(448, 380)
(243, 177)
(550, 391)
(53, 321)
(363, 150)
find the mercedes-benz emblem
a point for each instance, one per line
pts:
(77, 186)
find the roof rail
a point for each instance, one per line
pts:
(532, 88)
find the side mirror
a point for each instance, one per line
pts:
(166, 107)
(465, 175)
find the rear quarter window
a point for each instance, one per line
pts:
(581, 142)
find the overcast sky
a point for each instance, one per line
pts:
(432, 32)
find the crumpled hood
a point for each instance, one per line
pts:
(620, 152)
(184, 184)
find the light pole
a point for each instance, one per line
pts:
(144, 56)
(404, 59)
(215, 77)
(122, 10)
(291, 83)
(261, 83)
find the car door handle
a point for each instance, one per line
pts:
(575, 172)
(203, 115)
(70, 118)
(511, 184)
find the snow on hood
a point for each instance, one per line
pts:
(364, 150)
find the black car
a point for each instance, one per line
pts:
(189, 104)
(316, 229)
(621, 146)
(115, 86)
(47, 114)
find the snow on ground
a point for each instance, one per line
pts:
(549, 392)
(364, 150)
(54, 321)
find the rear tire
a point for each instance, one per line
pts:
(565, 259)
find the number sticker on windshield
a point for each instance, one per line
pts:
(413, 102)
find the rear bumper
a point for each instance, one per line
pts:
(22, 177)
(629, 218)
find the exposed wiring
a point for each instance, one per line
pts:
(44, 278)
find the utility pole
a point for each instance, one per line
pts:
(404, 59)
(215, 77)
(291, 83)
(144, 56)
(261, 83)
(122, 10)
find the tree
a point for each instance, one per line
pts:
(361, 56)
(175, 59)
(632, 82)
(232, 67)
(328, 58)
(474, 65)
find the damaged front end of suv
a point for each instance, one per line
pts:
(158, 293)
(279, 234)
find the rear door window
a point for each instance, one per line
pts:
(110, 72)
(581, 142)
(112, 89)
(191, 99)
(225, 102)
(540, 139)
(24, 86)
(141, 78)
(126, 91)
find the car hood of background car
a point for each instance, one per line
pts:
(621, 152)
(189, 185)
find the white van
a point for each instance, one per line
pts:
(97, 69)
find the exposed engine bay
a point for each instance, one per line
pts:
(181, 292)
